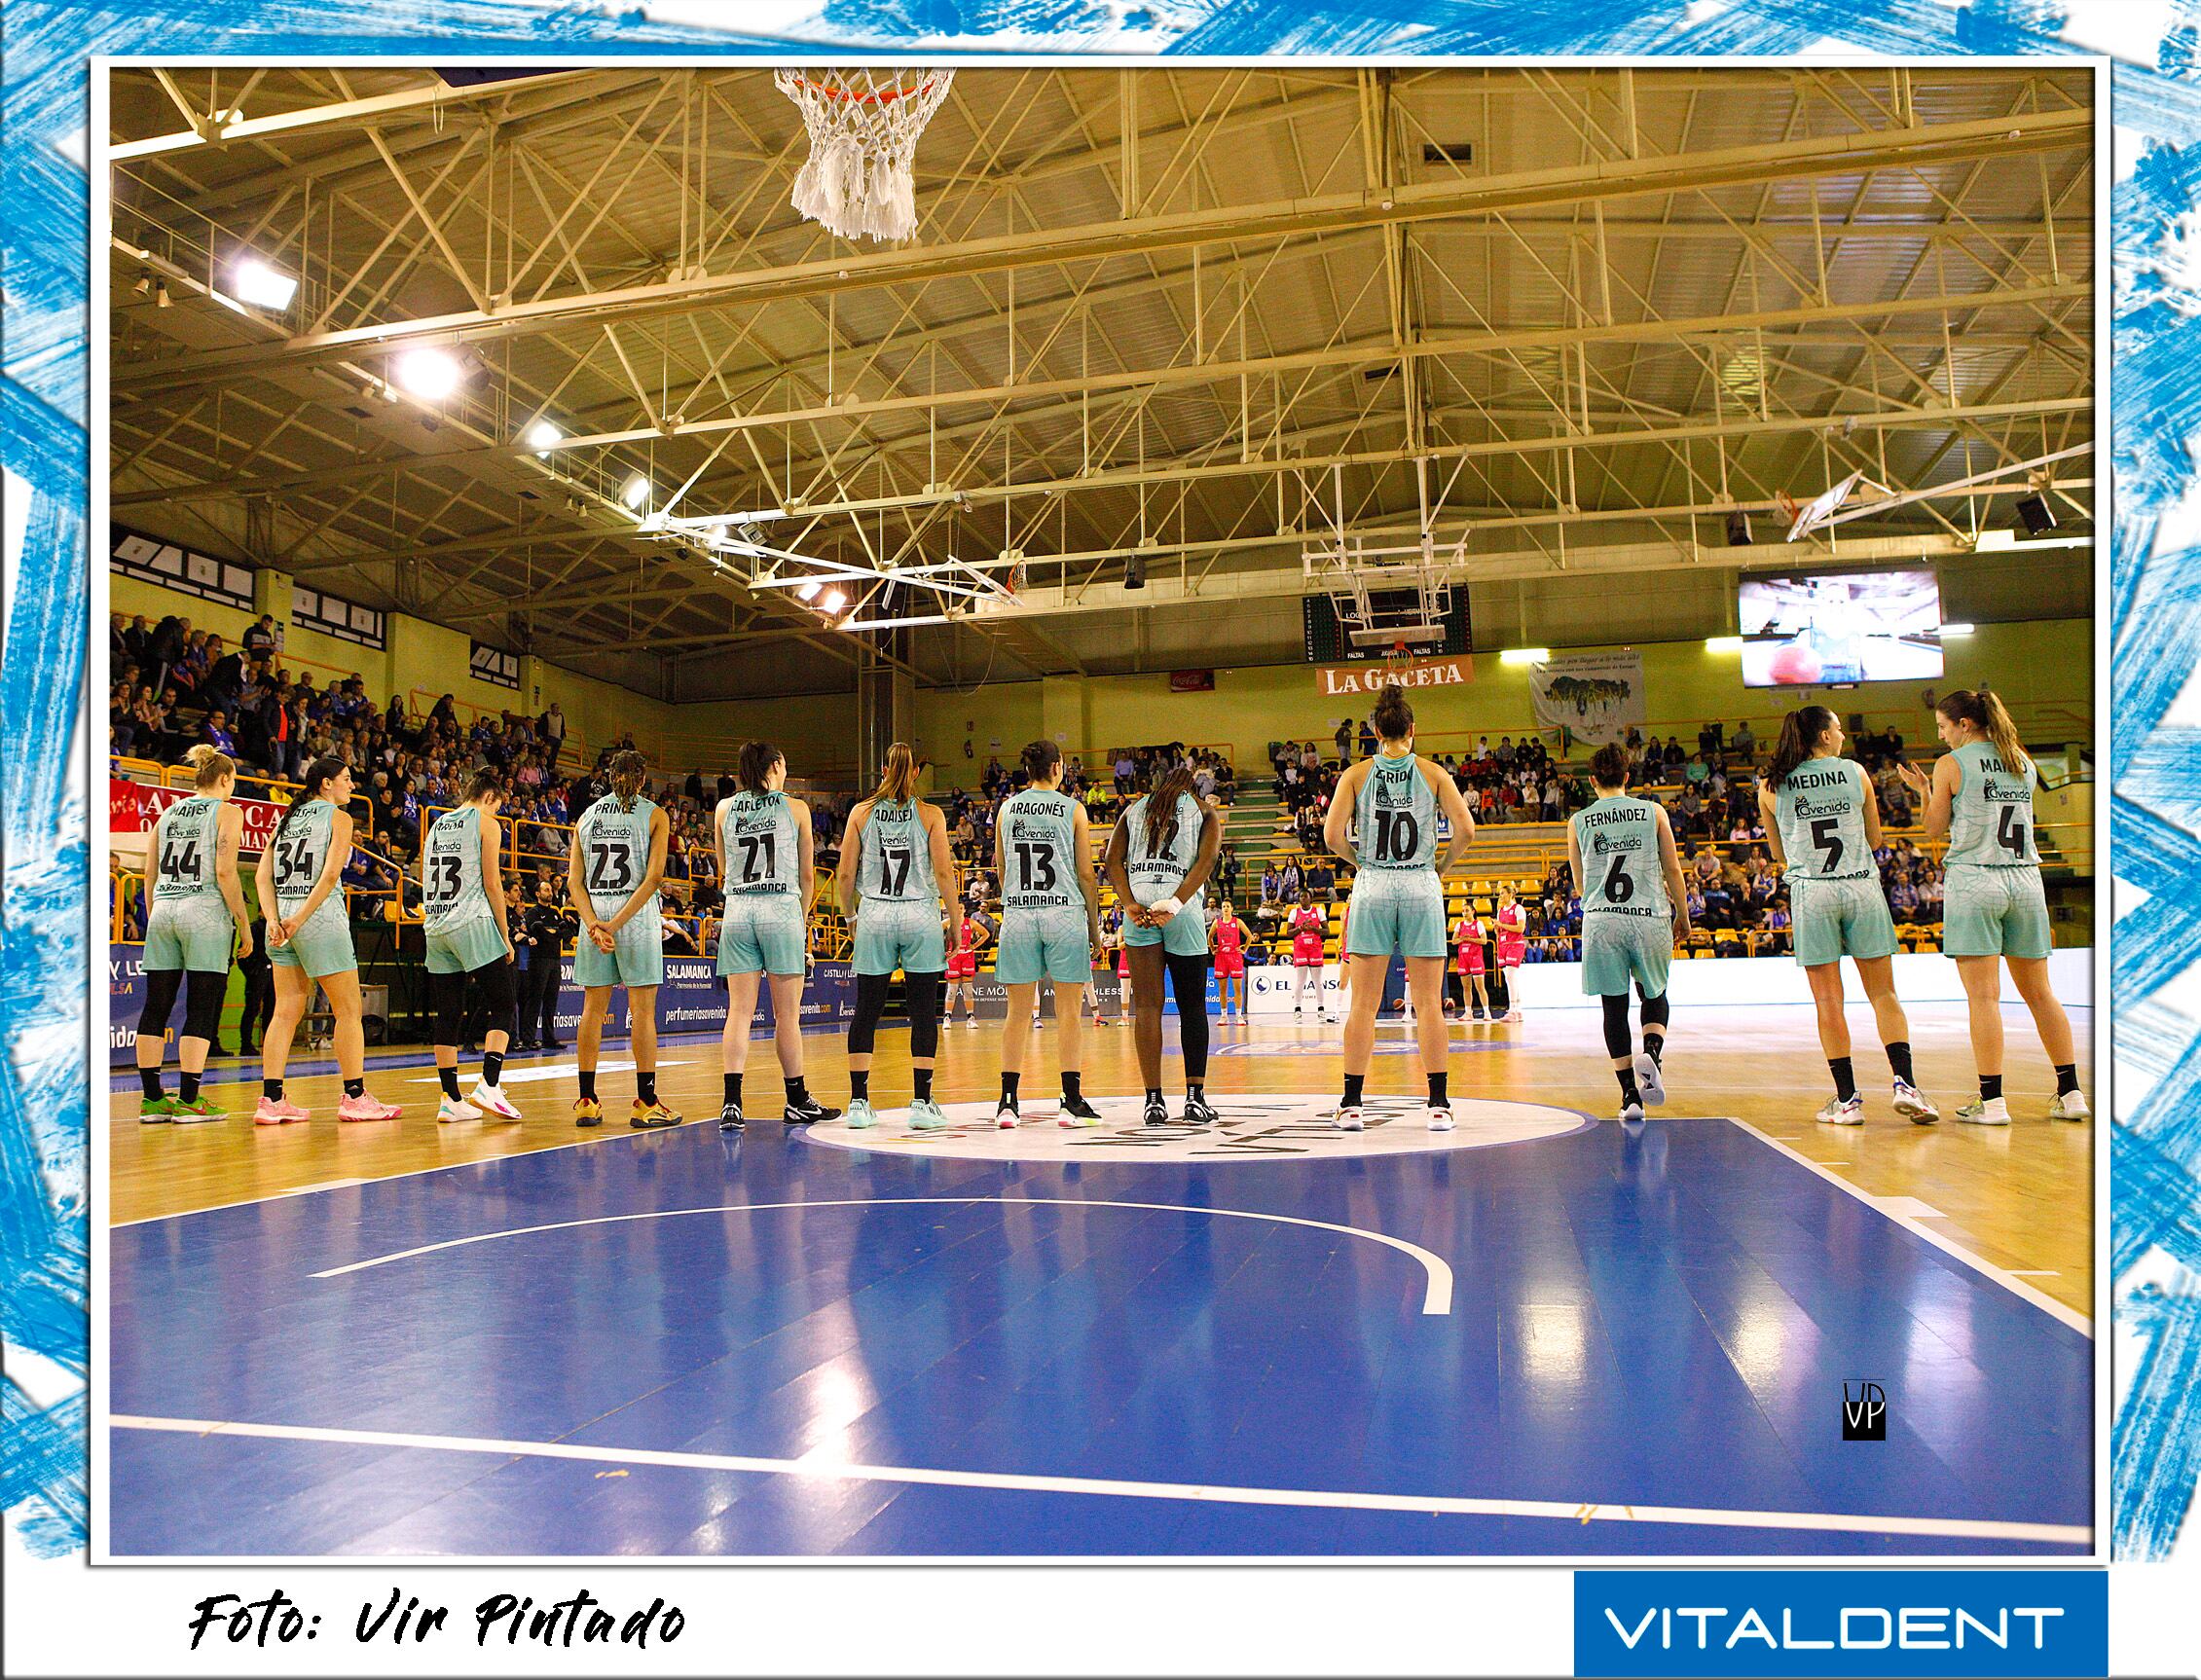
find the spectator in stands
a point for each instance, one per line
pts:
(1367, 738)
(1273, 899)
(1228, 869)
(1689, 813)
(260, 634)
(1344, 739)
(1319, 881)
(1745, 744)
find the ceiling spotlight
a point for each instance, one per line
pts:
(544, 437)
(161, 295)
(258, 283)
(834, 600)
(144, 283)
(428, 373)
(635, 492)
(808, 590)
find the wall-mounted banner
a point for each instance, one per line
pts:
(1370, 679)
(1191, 683)
(1593, 696)
(134, 807)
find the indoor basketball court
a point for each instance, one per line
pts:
(1165, 416)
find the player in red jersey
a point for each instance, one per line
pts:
(1472, 941)
(1229, 936)
(1307, 927)
(1513, 948)
(970, 936)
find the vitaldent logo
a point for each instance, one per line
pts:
(1854, 1628)
(1855, 1623)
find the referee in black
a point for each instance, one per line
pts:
(544, 928)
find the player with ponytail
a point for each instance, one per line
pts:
(196, 919)
(1995, 910)
(1823, 824)
(898, 888)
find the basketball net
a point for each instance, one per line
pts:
(863, 129)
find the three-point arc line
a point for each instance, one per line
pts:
(1437, 1296)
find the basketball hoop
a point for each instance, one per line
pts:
(863, 129)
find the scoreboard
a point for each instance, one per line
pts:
(1330, 642)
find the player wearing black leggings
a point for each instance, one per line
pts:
(1158, 860)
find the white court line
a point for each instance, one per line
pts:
(1431, 1504)
(1437, 1298)
(2012, 1281)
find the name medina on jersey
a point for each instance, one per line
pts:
(1800, 778)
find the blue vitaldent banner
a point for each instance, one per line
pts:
(1860, 1622)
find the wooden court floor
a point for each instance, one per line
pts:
(2019, 1199)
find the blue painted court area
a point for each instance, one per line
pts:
(1594, 1343)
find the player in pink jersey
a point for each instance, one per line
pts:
(1229, 936)
(1472, 941)
(1307, 927)
(1513, 948)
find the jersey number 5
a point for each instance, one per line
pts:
(1827, 843)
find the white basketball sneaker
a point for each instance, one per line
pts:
(1985, 1112)
(1350, 1119)
(1631, 1113)
(1440, 1119)
(492, 1100)
(2070, 1106)
(1004, 1117)
(1650, 1080)
(451, 1111)
(1847, 1110)
(1912, 1103)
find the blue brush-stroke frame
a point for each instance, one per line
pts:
(2156, 598)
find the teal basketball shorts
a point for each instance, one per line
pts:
(1618, 948)
(1183, 935)
(1837, 919)
(1400, 911)
(900, 933)
(762, 934)
(463, 949)
(323, 945)
(1994, 912)
(194, 934)
(1044, 945)
(636, 957)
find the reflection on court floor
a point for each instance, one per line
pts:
(1590, 1340)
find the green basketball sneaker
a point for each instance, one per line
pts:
(154, 1110)
(860, 1114)
(925, 1116)
(199, 1108)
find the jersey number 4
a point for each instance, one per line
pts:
(2009, 832)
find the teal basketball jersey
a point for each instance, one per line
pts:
(1158, 871)
(1396, 811)
(1822, 812)
(1622, 871)
(897, 866)
(454, 895)
(614, 848)
(1039, 846)
(758, 832)
(1991, 818)
(185, 841)
(302, 851)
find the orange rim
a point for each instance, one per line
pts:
(887, 99)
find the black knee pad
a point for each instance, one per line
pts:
(1657, 1011)
(447, 1001)
(202, 1005)
(1617, 1040)
(870, 1004)
(161, 988)
(924, 994)
(497, 993)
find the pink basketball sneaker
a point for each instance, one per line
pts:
(279, 1111)
(365, 1107)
